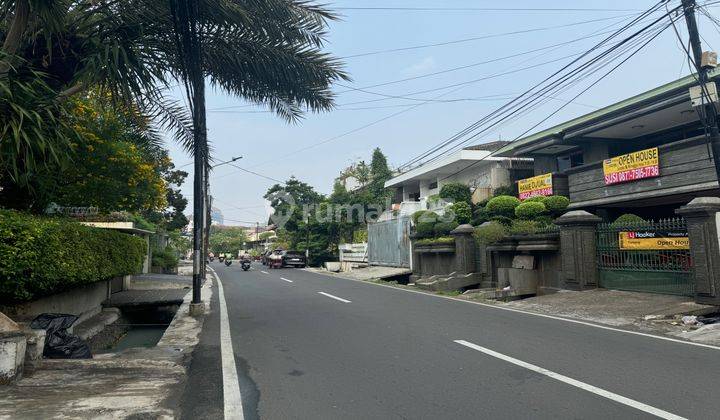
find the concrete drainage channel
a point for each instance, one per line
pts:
(136, 327)
(141, 351)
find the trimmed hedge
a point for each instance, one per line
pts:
(629, 219)
(556, 204)
(503, 205)
(40, 256)
(444, 228)
(424, 216)
(462, 211)
(424, 229)
(530, 210)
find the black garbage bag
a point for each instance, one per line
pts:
(59, 344)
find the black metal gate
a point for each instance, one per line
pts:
(649, 257)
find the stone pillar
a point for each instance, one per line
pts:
(578, 231)
(701, 216)
(464, 249)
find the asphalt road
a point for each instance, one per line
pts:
(308, 345)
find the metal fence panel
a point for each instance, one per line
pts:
(389, 242)
(666, 271)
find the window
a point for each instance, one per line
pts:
(569, 161)
(432, 185)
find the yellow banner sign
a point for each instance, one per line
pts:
(632, 166)
(540, 185)
(654, 240)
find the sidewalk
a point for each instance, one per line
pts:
(135, 383)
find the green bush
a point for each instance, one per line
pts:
(490, 232)
(424, 229)
(480, 216)
(536, 199)
(41, 255)
(502, 219)
(530, 210)
(444, 228)
(629, 219)
(424, 216)
(503, 205)
(443, 240)
(524, 227)
(456, 192)
(556, 204)
(164, 258)
(462, 211)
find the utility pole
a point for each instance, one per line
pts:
(708, 114)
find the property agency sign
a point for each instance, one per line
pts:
(632, 166)
(654, 240)
(535, 186)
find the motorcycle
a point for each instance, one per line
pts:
(228, 262)
(245, 264)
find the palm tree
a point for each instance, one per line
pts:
(264, 51)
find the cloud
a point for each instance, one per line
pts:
(425, 65)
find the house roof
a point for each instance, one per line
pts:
(491, 146)
(677, 89)
(447, 166)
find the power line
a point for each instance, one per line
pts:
(456, 87)
(486, 9)
(523, 99)
(250, 172)
(476, 38)
(655, 35)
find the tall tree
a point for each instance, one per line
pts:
(265, 51)
(379, 173)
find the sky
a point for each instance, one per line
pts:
(320, 146)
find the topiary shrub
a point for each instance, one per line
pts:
(530, 210)
(490, 232)
(424, 230)
(503, 205)
(536, 199)
(462, 211)
(524, 227)
(629, 219)
(456, 192)
(444, 228)
(424, 216)
(556, 204)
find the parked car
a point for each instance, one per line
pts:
(293, 259)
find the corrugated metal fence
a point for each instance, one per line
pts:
(389, 242)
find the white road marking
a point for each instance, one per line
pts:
(334, 297)
(232, 400)
(264, 272)
(283, 278)
(557, 318)
(570, 381)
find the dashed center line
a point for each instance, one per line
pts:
(264, 272)
(287, 280)
(573, 382)
(334, 297)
